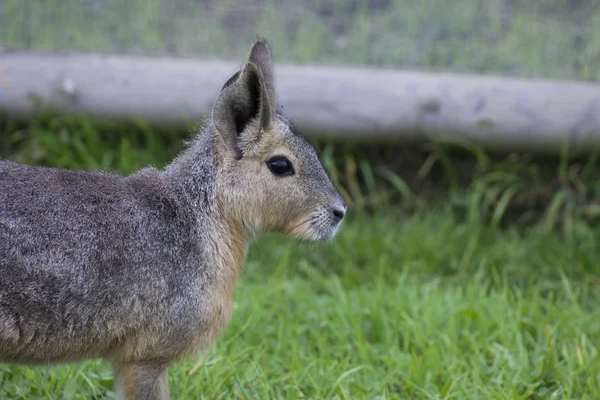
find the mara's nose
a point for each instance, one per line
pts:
(338, 213)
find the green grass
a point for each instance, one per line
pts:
(425, 302)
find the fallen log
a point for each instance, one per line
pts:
(365, 104)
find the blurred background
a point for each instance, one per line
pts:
(460, 272)
(541, 38)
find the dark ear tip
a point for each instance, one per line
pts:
(261, 41)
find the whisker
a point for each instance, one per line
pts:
(307, 246)
(310, 219)
(304, 241)
(296, 267)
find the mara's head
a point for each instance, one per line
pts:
(270, 178)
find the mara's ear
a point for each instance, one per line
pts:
(261, 57)
(243, 99)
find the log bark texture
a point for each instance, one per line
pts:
(365, 104)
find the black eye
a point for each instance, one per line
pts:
(280, 165)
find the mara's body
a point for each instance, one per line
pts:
(141, 269)
(83, 265)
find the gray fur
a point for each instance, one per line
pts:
(133, 268)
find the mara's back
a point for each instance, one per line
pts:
(78, 252)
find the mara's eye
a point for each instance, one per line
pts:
(280, 165)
